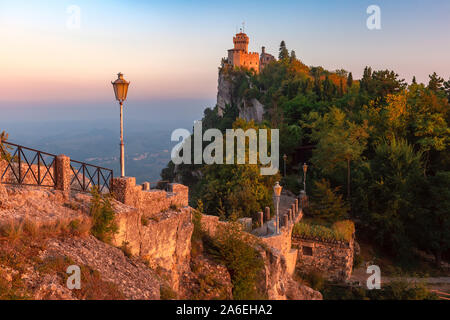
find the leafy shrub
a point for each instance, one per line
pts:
(315, 280)
(237, 251)
(102, 213)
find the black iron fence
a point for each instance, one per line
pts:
(86, 176)
(26, 166)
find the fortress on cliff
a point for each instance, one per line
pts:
(240, 57)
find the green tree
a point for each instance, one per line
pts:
(436, 83)
(293, 56)
(350, 80)
(432, 214)
(339, 141)
(447, 89)
(327, 205)
(394, 170)
(239, 188)
(283, 52)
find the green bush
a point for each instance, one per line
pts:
(237, 251)
(102, 213)
(315, 280)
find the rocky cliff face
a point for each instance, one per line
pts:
(248, 109)
(279, 283)
(159, 245)
(164, 240)
(43, 232)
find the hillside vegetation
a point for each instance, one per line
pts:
(381, 146)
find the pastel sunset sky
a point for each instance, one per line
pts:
(172, 49)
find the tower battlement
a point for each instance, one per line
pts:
(241, 58)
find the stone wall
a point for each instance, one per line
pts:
(164, 240)
(333, 259)
(155, 225)
(150, 202)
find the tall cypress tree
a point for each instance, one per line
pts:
(349, 80)
(283, 53)
(293, 56)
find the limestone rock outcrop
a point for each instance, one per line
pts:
(249, 110)
(163, 240)
(132, 277)
(279, 283)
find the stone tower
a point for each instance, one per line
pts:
(241, 41)
(239, 55)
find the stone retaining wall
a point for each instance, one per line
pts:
(333, 260)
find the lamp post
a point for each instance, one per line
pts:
(277, 193)
(305, 168)
(285, 158)
(120, 90)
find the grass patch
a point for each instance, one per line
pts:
(339, 231)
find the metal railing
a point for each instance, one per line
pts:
(20, 170)
(27, 166)
(86, 176)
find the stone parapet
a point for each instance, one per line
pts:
(151, 202)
